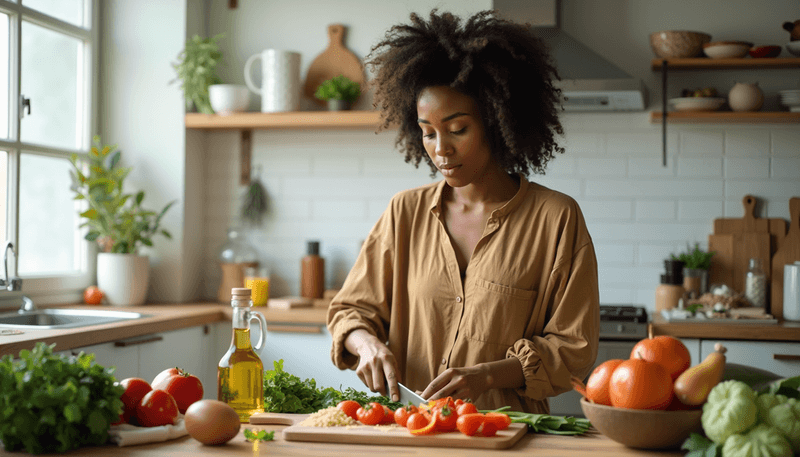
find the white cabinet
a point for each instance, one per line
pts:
(780, 358)
(124, 359)
(693, 345)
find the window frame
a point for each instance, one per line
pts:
(48, 289)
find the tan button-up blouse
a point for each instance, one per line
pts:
(530, 292)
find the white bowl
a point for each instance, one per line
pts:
(793, 47)
(697, 103)
(228, 98)
(727, 49)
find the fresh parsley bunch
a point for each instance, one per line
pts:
(55, 403)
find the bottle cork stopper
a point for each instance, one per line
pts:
(240, 293)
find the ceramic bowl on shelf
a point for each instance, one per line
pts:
(727, 49)
(227, 99)
(790, 99)
(643, 428)
(764, 52)
(676, 44)
(793, 47)
(697, 103)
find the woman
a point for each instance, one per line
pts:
(483, 285)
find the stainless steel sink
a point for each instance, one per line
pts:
(64, 318)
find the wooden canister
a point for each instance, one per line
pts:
(232, 276)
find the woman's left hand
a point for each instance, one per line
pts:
(466, 382)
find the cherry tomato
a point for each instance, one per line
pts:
(416, 421)
(157, 408)
(402, 414)
(469, 424)
(388, 416)
(446, 419)
(465, 408)
(499, 420)
(135, 390)
(184, 387)
(370, 414)
(488, 429)
(92, 295)
(349, 407)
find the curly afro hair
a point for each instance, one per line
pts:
(501, 64)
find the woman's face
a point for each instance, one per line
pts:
(453, 134)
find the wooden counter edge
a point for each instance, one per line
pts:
(782, 331)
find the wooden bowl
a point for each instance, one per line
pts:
(643, 428)
(676, 44)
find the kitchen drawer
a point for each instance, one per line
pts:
(782, 359)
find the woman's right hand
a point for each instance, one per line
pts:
(376, 363)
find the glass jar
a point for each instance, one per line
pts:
(235, 255)
(756, 284)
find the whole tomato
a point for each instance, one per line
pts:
(184, 387)
(93, 296)
(446, 419)
(402, 414)
(370, 414)
(465, 408)
(157, 408)
(416, 421)
(349, 407)
(135, 390)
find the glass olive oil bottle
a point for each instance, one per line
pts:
(240, 374)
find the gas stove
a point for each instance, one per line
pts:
(623, 322)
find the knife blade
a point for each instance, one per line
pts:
(408, 395)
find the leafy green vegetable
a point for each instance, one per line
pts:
(261, 435)
(789, 387)
(730, 409)
(55, 403)
(785, 418)
(287, 393)
(700, 446)
(761, 441)
(544, 423)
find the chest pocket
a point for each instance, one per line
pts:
(497, 314)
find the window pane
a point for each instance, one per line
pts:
(67, 10)
(48, 217)
(4, 86)
(3, 195)
(50, 79)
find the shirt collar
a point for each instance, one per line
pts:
(510, 205)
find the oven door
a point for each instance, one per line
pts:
(568, 403)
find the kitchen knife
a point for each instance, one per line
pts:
(408, 395)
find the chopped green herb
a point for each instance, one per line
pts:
(261, 435)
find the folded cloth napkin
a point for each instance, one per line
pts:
(131, 435)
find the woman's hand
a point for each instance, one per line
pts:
(472, 382)
(376, 363)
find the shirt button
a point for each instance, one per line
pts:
(458, 299)
(444, 361)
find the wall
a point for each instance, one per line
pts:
(332, 185)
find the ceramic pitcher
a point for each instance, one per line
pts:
(280, 80)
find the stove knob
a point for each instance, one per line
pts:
(620, 328)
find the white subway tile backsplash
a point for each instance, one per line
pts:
(747, 143)
(571, 187)
(337, 210)
(654, 254)
(607, 166)
(655, 209)
(699, 167)
(706, 143)
(289, 209)
(606, 209)
(336, 166)
(746, 167)
(648, 231)
(620, 254)
(638, 144)
(654, 187)
(562, 166)
(581, 144)
(702, 210)
(769, 189)
(612, 296)
(785, 168)
(639, 167)
(786, 142)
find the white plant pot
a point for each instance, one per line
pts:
(123, 278)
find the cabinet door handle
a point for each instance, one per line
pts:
(124, 344)
(789, 357)
(288, 328)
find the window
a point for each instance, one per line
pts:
(47, 71)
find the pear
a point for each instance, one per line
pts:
(693, 385)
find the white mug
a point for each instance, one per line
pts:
(280, 80)
(791, 291)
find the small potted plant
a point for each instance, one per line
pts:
(196, 68)
(117, 222)
(340, 92)
(696, 264)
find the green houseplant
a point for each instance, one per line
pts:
(118, 223)
(197, 68)
(696, 264)
(340, 92)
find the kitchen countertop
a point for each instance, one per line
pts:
(782, 331)
(590, 444)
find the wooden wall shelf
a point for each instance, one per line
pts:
(726, 117)
(704, 63)
(289, 120)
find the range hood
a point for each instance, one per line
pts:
(588, 81)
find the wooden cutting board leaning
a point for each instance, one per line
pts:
(399, 436)
(736, 241)
(788, 252)
(335, 60)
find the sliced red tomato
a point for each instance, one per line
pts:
(349, 407)
(157, 408)
(430, 428)
(499, 420)
(370, 414)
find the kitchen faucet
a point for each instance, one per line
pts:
(14, 284)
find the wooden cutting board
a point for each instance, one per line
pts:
(788, 252)
(399, 436)
(335, 60)
(776, 227)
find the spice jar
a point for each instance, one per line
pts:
(756, 284)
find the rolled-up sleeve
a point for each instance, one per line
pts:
(568, 343)
(363, 302)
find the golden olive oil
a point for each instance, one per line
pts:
(240, 373)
